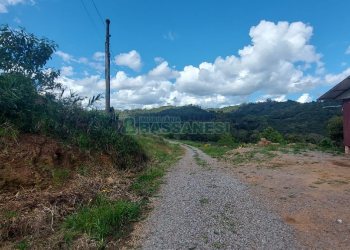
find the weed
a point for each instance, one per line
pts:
(163, 156)
(22, 245)
(8, 131)
(204, 201)
(84, 170)
(9, 214)
(60, 175)
(101, 219)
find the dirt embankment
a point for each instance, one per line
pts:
(42, 181)
(310, 190)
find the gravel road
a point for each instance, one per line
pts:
(201, 207)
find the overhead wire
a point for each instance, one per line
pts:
(98, 12)
(91, 20)
(101, 19)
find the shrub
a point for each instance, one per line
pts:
(326, 144)
(33, 102)
(272, 135)
(226, 140)
(335, 129)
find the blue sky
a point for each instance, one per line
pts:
(210, 53)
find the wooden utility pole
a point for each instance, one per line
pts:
(107, 68)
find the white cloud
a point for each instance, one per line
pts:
(67, 71)
(271, 64)
(162, 71)
(347, 52)
(336, 78)
(131, 59)
(64, 56)
(276, 98)
(95, 63)
(99, 56)
(305, 98)
(279, 61)
(4, 4)
(87, 86)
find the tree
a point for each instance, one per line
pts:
(272, 135)
(23, 53)
(335, 129)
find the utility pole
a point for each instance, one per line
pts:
(107, 68)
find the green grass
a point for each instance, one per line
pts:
(8, 131)
(60, 175)
(107, 219)
(9, 214)
(163, 155)
(22, 245)
(102, 219)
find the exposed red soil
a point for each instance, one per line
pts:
(310, 191)
(42, 181)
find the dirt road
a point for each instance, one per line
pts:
(202, 207)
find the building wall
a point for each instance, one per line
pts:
(346, 119)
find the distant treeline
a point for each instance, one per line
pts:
(295, 121)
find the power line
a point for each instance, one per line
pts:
(91, 19)
(98, 12)
(101, 18)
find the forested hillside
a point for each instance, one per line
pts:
(247, 121)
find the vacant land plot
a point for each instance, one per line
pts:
(310, 190)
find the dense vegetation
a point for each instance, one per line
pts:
(288, 121)
(101, 203)
(31, 101)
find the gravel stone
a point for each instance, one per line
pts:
(202, 207)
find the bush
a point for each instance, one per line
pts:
(32, 102)
(272, 135)
(226, 140)
(335, 129)
(326, 144)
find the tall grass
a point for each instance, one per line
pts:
(163, 155)
(101, 219)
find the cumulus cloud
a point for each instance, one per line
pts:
(95, 63)
(279, 61)
(4, 4)
(87, 86)
(271, 64)
(131, 59)
(163, 72)
(304, 98)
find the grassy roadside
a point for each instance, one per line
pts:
(218, 151)
(163, 155)
(105, 219)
